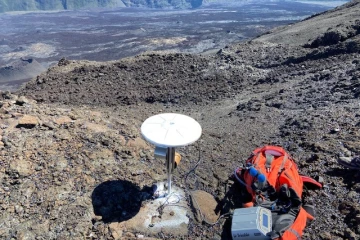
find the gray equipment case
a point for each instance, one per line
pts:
(251, 223)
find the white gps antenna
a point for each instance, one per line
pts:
(168, 131)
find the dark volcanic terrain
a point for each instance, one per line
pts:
(104, 35)
(73, 164)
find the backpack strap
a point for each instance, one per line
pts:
(286, 157)
(269, 159)
(293, 231)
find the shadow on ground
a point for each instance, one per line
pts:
(234, 198)
(349, 176)
(118, 200)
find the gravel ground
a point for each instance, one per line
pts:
(72, 145)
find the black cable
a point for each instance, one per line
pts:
(193, 169)
(186, 186)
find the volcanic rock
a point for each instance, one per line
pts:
(21, 167)
(28, 121)
(205, 205)
(90, 174)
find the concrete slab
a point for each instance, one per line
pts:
(167, 214)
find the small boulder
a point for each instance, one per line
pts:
(28, 121)
(136, 145)
(63, 120)
(325, 236)
(98, 128)
(21, 101)
(205, 205)
(116, 230)
(357, 218)
(21, 167)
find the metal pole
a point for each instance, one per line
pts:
(170, 159)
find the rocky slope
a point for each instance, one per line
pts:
(334, 26)
(71, 142)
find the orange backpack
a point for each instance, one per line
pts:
(272, 180)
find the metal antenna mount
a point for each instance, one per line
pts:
(168, 131)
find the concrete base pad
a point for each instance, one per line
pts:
(166, 214)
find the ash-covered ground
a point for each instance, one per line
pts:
(73, 163)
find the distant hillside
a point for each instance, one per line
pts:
(21, 69)
(34, 5)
